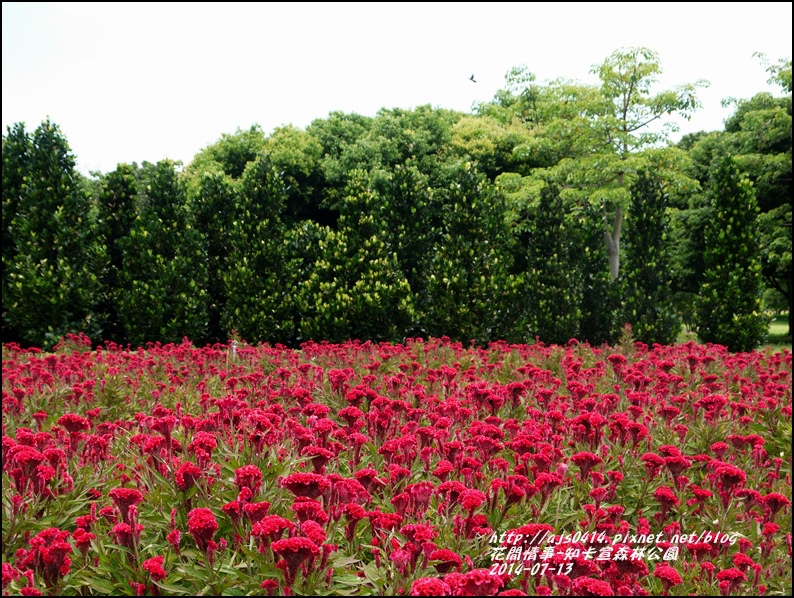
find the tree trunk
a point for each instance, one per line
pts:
(612, 240)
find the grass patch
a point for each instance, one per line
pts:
(779, 332)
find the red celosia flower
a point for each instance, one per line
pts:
(82, 540)
(477, 582)
(154, 566)
(48, 555)
(310, 485)
(677, 464)
(653, 464)
(310, 510)
(270, 586)
(269, 529)
(471, 500)
(186, 475)
(447, 560)
(742, 562)
(202, 524)
(666, 497)
(699, 549)
(128, 535)
(9, 574)
(314, 531)
(294, 551)
(733, 577)
(256, 511)
(730, 476)
(124, 498)
(587, 586)
(74, 423)
(174, 538)
(585, 462)
(430, 586)
(668, 576)
(774, 502)
(248, 476)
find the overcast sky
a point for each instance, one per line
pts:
(129, 82)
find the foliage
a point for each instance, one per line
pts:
(648, 301)
(50, 253)
(468, 291)
(257, 299)
(729, 302)
(117, 213)
(162, 284)
(356, 288)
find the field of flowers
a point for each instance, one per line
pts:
(428, 468)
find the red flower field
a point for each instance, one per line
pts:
(428, 468)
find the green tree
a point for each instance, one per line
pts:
(117, 191)
(759, 134)
(469, 291)
(50, 253)
(592, 140)
(161, 295)
(356, 288)
(257, 297)
(551, 290)
(648, 301)
(232, 152)
(729, 303)
(213, 198)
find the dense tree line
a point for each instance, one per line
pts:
(556, 211)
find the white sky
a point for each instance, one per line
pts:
(129, 82)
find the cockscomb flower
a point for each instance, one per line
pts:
(294, 551)
(653, 464)
(124, 498)
(668, 576)
(256, 511)
(154, 567)
(74, 423)
(774, 502)
(248, 476)
(186, 475)
(430, 586)
(667, 499)
(82, 540)
(310, 485)
(585, 462)
(477, 582)
(729, 477)
(731, 578)
(471, 500)
(128, 535)
(310, 510)
(174, 538)
(48, 555)
(270, 529)
(202, 525)
(587, 586)
(446, 560)
(314, 531)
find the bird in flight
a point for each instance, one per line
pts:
(472, 79)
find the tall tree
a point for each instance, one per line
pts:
(469, 291)
(254, 276)
(593, 140)
(648, 299)
(50, 253)
(729, 303)
(162, 294)
(116, 216)
(356, 288)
